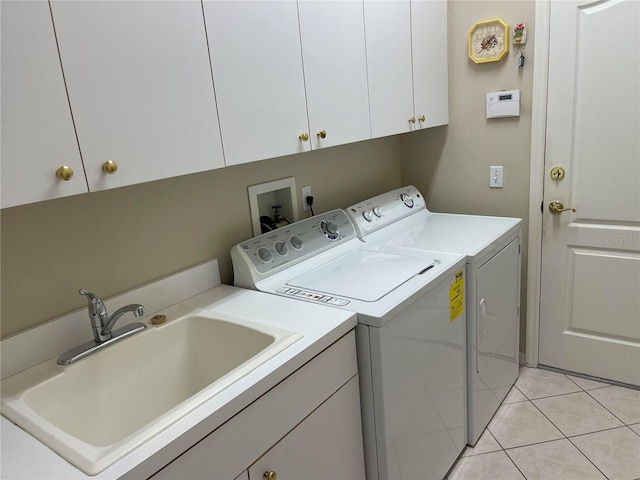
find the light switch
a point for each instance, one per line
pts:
(496, 179)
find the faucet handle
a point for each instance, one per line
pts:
(96, 306)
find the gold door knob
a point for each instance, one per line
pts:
(270, 475)
(64, 173)
(412, 119)
(304, 136)
(322, 134)
(557, 173)
(422, 118)
(556, 207)
(110, 167)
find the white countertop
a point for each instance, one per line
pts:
(24, 457)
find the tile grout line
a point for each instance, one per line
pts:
(604, 406)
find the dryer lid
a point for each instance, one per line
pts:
(362, 274)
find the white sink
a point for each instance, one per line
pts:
(96, 410)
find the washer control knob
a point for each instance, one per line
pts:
(406, 199)
(330, 229)
(377, 211)
(281, 248)
(367, 215)
(296, 242)
(265, 254)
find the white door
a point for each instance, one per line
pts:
(335, 71)
(388, 35)
(590, 293)
(140, 88)
(430, 63)
(257, 69)
(37, 129)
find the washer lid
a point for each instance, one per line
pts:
(362, 274)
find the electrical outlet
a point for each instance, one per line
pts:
(496, 178)
(306, 192)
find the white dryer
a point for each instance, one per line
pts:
(492, 248)
(410, 336)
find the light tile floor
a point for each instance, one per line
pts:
(558, 427)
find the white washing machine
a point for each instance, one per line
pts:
(492, 248)
(411, 333)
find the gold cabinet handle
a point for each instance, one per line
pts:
(412, 119)
(304, 136)
(422, 118)
(64, 173)
(270, 475)
(556, 207)
(110, 167)
(322, 134)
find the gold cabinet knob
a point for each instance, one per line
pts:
(64, 173)
(270, 475)
(304, 136)
(556, 207)
(412, 119)
(422, 118)
(322, 133)
(110, 167)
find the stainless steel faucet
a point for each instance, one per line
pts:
(102, 325)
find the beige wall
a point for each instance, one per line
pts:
(450, 164)
(112, 241)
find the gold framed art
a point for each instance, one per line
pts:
(489, 41)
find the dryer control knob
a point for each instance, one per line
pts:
(406, 199)
(265, 254)
(377, 211)
(367, 215)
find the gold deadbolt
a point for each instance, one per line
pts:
(557, 173)
(412, 119)
(110, 167)
(556, 207)
(64, 173)
(322, 134)
(304, 136)
(422, 118)
(270, 475)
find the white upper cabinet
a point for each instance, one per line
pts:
(37, 129)
(388, 35)
(140, 88)
(430, 64)
(407, 64)
(257, 69)
(335, 71)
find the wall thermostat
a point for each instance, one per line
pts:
(503, 104)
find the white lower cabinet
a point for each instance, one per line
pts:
(306, 427)
(327, 444)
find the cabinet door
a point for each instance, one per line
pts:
(327, 444)
(388, 36)
(335, 71)
(430, 76)
(140, 88)
(257, 69)
(37, 129)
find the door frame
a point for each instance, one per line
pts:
(536, 175)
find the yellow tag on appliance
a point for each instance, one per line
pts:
(456, 296)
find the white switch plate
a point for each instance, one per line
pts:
(306, 192)
(496, 179)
